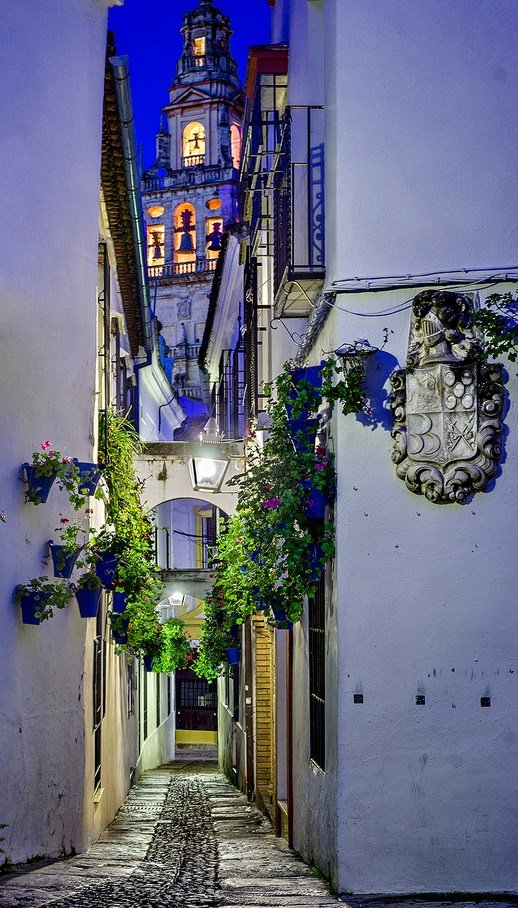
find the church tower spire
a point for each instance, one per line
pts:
(190, 193)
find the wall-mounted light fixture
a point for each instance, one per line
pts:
(209, 465)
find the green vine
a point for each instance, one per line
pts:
(498, 321)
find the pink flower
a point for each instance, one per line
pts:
(46, 445)
(271, 503)
(66, 460)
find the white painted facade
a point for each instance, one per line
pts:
(51, 95)
(420, 177)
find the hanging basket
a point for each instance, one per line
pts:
(88, 602)
(64, 559)
(89, 476)
(232, 654)
(316, 501)
(106, 567)
(121, 638)
(119, 602)
(310, 374)
(31, 603)
(303, 433)
(281, 619)
(38, 486)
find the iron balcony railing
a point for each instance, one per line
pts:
(298, 198)
(175, 269)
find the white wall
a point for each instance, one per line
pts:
(426, 605)
(52, 77)
(422, 137)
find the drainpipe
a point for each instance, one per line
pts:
(120, 71)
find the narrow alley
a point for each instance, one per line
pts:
(184, 837)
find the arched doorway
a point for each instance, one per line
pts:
(186, 529)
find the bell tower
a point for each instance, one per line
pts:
(190, 192)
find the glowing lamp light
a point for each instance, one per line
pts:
(209, 465)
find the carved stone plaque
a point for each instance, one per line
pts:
(447, 404)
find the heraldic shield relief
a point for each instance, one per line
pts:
(447, 404)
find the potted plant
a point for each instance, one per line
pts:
(72, 533)
(119, 627)
(119, 598)
(88, 594)
(106, 552)
(46, 466)
(218, 643)
(89, 475)
(176, 647)
(39, 597)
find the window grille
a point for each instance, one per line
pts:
(197, 695)
(317, 680)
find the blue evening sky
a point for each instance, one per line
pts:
(149, 32)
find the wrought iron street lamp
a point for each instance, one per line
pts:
(209, 464)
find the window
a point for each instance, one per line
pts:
(98, 695)
(317, 680)
(155, 245)
(184, 233)
(213, 234)
(194, 144)
(235, 144)
(198, 46)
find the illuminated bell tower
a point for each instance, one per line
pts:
(190, 193)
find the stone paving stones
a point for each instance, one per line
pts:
(185, 838)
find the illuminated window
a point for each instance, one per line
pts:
(235, 144)
(155, 245)
(194, 144)
(156, 211)
(185, 233)
(213, 204)
(213, 234)
(198, 47)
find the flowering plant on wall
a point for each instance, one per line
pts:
(46, 466)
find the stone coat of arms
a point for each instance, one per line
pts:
(447, 404)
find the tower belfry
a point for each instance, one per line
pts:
(190, 192)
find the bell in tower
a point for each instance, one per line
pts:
(214, 238)
(186, 243)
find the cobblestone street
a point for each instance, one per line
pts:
(185, 837)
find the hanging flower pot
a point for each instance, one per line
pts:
(89, 476)
(313, 376)
(281, 619)
(316, 501)
(232, 654)
(303, 433)
(64, 558)
(121, 636)
(106, 567)
(38, 486)
(148, 663)
(88, 602)
(31, 603)
(119, 601)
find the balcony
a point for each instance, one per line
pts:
(221, 64)
(298, 213)
(190, 176)
(194, 160)
(181, 269)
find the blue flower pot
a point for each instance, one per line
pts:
(121, 638)
(38, 486)
(281, 619)
(63, 563)
(148, 663)
(316, 502)
(232, 654)
(89, 476)
(30, 604)
(303, 433)
(310, 374)
(88, 602)
(119, 602)
(106, 567)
